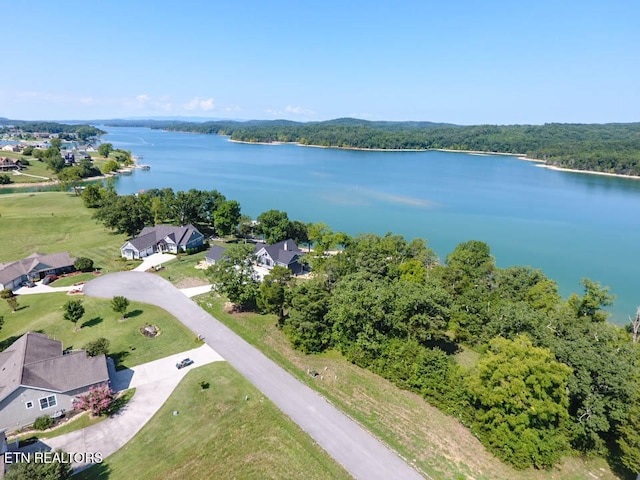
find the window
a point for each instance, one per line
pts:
(29, 404)
(48, 402)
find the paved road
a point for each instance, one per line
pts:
(359, 452)
(154, 383)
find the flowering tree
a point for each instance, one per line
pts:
(97, 400)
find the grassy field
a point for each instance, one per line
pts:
(52, 222)
(434, 442)
(70, 280)
(44, 313)
(36, 168)
(217, 434)
(182, 272)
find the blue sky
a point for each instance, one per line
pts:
(465, 62)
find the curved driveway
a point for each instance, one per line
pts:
(361, 454)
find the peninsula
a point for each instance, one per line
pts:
(612, 148)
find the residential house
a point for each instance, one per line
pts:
(7, 164)
(69, 158)
(162, 239)
(37, 378)
(214, 254)
(35, 267)
(285, 253)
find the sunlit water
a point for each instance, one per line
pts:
(570, 225)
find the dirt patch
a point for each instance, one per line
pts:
(190, 282)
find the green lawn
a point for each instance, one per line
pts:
(182, 272)
(438, 444)
(50, 222)
(218, 435)
(79, 422)
(70, 280)
(44, 313)
(36, 167)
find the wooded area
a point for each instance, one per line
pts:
(609, 148)
(553, 378)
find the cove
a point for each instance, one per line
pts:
(570, 225)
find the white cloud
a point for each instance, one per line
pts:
(298, 110)
(143, 98)
(364, 116)
(197, 103)
(291, 111)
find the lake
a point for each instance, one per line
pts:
(570, 225)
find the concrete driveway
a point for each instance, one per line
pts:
(153, 261)
(359, 452)
(154, 382)
(162, 369)
(40, 288)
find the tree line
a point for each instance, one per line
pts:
(609, 148)
(129, 214)
(65, 131)
(553, 377)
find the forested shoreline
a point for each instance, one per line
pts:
(551, 377)
(608, 148)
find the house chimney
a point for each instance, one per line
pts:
(285, 245)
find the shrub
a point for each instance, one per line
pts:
(97, 347)
(97, 400)
(5, 180)
(83, 264)
(43, 422)
(6, 293)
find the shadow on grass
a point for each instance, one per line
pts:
(119, 404)
(99, 471)
(615, 463)
(4, 344)
(21, 307)
(134, 313)
(118, 359)
(447, 346)
(93, 322)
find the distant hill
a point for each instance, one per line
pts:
(608, 148)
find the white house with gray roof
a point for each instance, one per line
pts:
(34, 267)
(285, 253)
(162, 239)
(37, 378)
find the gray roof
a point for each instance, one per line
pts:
(35, 360)
(150, 236)
(285, 252)
(215, 253)
(34, 263)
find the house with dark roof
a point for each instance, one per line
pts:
(214, 254)
(285, 253)
(7, 164)
(162, 239)
(37, 378)
(35, 267)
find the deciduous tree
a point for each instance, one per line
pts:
(520, 395)
(73, 311)
(120, 305)
(234, 276)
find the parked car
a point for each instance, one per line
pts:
(184, 363)
(29, 284)
(48, 279)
